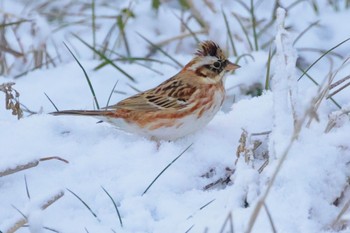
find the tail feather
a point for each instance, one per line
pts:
(82, 112)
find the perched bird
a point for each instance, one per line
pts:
(177, 107)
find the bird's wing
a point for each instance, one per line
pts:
(171, 94)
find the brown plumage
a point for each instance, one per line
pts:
(177, 107)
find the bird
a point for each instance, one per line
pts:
(177, 107)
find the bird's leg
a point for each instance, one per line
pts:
(154, 139)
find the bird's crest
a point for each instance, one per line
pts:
(210, 48)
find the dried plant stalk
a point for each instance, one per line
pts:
(298, 123)
(46, 203)
(337, 84)
(248, 148)
(242, 143)
(337, 118)
(326, 87)
(18, 168)
(338, 220)
(12, 99)
(28, 165)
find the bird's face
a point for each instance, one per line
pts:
(210, 64)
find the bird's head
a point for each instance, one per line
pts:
(210, 63)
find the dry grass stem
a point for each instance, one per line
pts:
(338, 223)
(263, 166)
(46, 203)
(221, 182)
(28, 165)
(298, 123)
(12, 99)
(337, 118)
(32, 54)
(284, 154)
(337, 84)
(241, 149)
(249, 149)
(324, 90)
(229, 222)
(180, 37)
(197, 15)
(270, 219)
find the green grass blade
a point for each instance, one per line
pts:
(160, 50)
(19, 211)
(115, 206)
(51, 102)
(149, 186)
(244, 31)
(202, 207)
(317, 84)
(243, 56)
(315, 7)
(318, 59)
(86, 76)
(93, 17)
(293, 4)
(110, 95)
(84, 203)
(132, 59)
(229, 33)
(252, 13)
(305, 30)
(27, 188)
(244, 5)
(266, 27)
(188, 28)
(189, 229)
(121, 26)
(268, 65)
(155, 4)
(269, 216)
(102, 56)
(13, 23)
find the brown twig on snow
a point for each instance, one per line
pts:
(28, 165)
(248, 148)
(11, 99)
(337, 84)
(46, 203)
(338, 220)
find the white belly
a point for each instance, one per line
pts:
(184, 126)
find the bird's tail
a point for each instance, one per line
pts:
(83, 113)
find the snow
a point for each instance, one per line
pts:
(284, 88)
(314, 175)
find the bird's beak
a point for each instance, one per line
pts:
(231, 66)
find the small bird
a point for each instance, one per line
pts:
(177, 107)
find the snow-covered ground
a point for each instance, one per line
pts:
(309, 191)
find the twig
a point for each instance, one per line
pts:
(270, 219)
(180, 37)
(337, 84)
(12, 99)
(341, 213)
(28, 165)
(228, 220)
(46, 203)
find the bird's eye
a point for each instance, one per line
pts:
(217, 64)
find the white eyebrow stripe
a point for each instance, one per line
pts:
(203, 61)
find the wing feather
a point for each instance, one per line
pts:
(171, 94)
